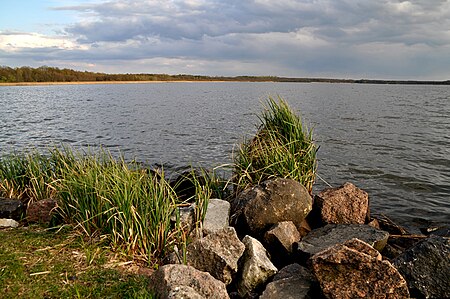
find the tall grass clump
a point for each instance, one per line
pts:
(282, 147)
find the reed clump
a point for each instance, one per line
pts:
(123, 202)
(282, 147)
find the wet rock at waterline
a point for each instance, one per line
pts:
(426, 268)
(217, 253)
(343, 205)
(331, 234)
(260, 207)
(181, 281)
(356, 270)
(11, 209)
(256, 267)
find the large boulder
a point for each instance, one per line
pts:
(356, 270)
(11, 209)
(426, 268)
(181, 281)
(260, 207)
(41, 211)
(291, 282)
(343, 205)
(217, 253)
(257, 267)
(217, 216)
(332, 234)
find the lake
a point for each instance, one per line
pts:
(391, 140)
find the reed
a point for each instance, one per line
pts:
(282, 147)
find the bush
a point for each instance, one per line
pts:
(282, 147)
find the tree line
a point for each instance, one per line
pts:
(54, 74)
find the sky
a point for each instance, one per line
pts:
(372, 39)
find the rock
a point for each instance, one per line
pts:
(217, 215)
(257, 267)
(41, 211)
(11, 209)
(281, 236)
(260, 207)
(218, 253)
(332, 234)
(184, 184)
(186, 216)
(8, 223)
(343, 205)
(390, 226)
(355, 270)
(181, 281)
(426, 268)
(291, 282)
(279, 240)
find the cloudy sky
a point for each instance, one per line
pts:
(376, 39)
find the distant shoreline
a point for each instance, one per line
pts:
(277, 80)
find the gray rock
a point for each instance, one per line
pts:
(186, 216)
(343, 205)
(332, 234)
(8, 223)
(260, 207)
(291, 282)
(218, 253)
(181, 281)
(356, 270)
(217, 215)
(257, 267)
(426, 268)
(11, 209)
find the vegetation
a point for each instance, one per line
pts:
(282, 147)
(54, 74)
(128, 205)
(38, 263)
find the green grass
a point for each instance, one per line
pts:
(282, 147)
(37, 263)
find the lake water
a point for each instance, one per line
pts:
(391, 140)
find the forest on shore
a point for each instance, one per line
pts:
(27, 74)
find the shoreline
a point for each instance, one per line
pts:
(110, 82)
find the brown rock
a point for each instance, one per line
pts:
(355, 270)
(260, 207)
(41, 211)
(181, 281)
(282, 235)
(343, 205)
(217, 253)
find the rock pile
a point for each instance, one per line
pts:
(281, 244)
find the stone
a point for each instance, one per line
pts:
(217, 253)
(181, 281)
(217, 215)
(184, 184)
(291, 282)
(8, 223)
(186, 216)
(257, 267)
(346, 204)
(258, 208)
(279, 240)
(11, 209)
(426, 268)
(355, 270)
(332, 234)
(41, 211)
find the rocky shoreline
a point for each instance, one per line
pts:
(275, 241)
